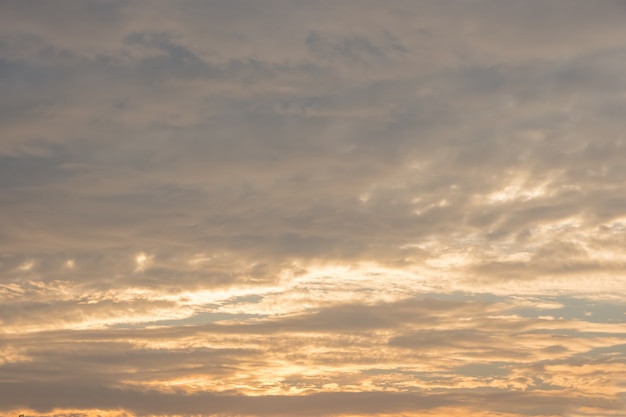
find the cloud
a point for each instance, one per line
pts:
(246, 208)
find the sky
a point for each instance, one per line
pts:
(313, 208)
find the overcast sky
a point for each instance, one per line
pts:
(288, 208)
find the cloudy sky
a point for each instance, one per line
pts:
(286, 208)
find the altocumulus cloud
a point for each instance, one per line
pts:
(312, 208)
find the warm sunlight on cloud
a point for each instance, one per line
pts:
(142, 261)
(298, 209)
(26, 266)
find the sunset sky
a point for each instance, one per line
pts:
(313, 208)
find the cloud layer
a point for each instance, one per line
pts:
(242, 208)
